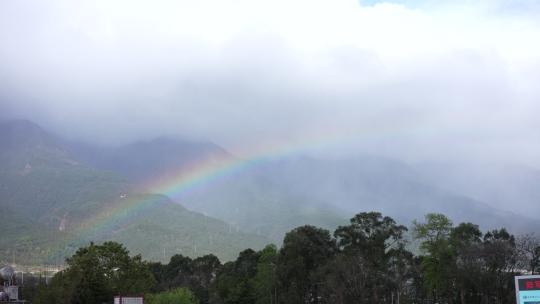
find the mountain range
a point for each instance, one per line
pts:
(52, 203)
(56, 195)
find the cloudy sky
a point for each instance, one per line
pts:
(412, 79)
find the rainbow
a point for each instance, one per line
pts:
(181, 181)
(192, 176)
(174, 184)
(113, 216)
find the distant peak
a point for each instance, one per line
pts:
(21, 132)
(20, 123)
(177, 142)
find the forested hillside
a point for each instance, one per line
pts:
(365, 261)
(52, 204)
(70, 194)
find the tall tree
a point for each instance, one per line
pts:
(304, 250)
(465, 241)
(501, 265)
(438, 260)
(234, 283)
(370, 233)
(265, 281)
(528, 246)
(373, 244)
(205, 270)
(98, 272)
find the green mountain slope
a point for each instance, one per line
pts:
(65, 204)
(256, 204)
(271, 197)
(26, 241)
(177, 231)
(249, 202)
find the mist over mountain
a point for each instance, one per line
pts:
(145, 161)
(215, 126)
(57, 183)
(400, 79)
(262, 196)
(505, 186)
(61, 203)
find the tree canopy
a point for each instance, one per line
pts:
(370, 260)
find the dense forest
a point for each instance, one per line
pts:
(371, 260)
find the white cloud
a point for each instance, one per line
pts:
(254, 72)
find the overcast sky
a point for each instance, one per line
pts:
(420, 80)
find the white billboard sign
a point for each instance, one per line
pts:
(528, 289)
(128, 300)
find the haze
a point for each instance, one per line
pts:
(417, 80)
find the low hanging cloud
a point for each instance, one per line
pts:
(405, 78)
